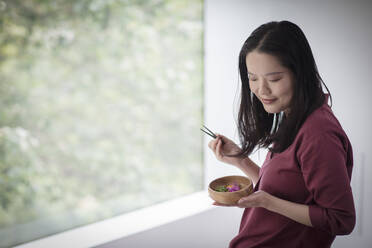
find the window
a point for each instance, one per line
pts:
(100, 109)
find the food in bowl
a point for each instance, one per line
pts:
(239, 186)
(229, 188)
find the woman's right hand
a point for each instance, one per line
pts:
(222, 146)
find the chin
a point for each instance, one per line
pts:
(272, 110)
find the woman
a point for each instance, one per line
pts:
(302, 192)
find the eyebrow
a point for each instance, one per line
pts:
(268, 74)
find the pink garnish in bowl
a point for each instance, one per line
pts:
(233, 187)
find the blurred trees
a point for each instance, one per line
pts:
(100, 105)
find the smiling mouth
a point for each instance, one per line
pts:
(268, 101)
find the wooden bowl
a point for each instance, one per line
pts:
(230, 198)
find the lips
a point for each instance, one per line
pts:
(267, 101)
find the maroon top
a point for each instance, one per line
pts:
(314, 170)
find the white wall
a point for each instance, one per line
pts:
(340, 35)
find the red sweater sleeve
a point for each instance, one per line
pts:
(324, 164)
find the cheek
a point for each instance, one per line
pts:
(252, 87)
(286, 91)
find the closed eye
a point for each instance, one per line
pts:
(275, 80)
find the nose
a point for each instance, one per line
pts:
(263, 88)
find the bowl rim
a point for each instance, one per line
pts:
(244, 188)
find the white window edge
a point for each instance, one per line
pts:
(127, 224)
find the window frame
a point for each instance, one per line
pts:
(127, 224)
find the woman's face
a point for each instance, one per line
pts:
(270, 81)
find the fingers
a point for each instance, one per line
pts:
(256, 199)
(243, 200)
(221, 137)
(210, 144)
(224, 139)
(218, 148)
(222, 205)
(213, 144)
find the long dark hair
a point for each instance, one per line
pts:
(287, 42)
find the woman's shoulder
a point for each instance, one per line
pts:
(322, 133)
(321, 123)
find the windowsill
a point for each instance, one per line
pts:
(127, 224)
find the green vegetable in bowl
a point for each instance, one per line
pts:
(221, 189)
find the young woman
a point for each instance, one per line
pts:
(302, 195)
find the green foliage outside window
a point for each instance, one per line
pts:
(100, 108)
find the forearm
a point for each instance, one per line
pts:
(294, 211)
(250, 168)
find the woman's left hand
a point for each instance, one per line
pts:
(257, 199)
(295, 211)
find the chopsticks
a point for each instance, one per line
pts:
(209, 132)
